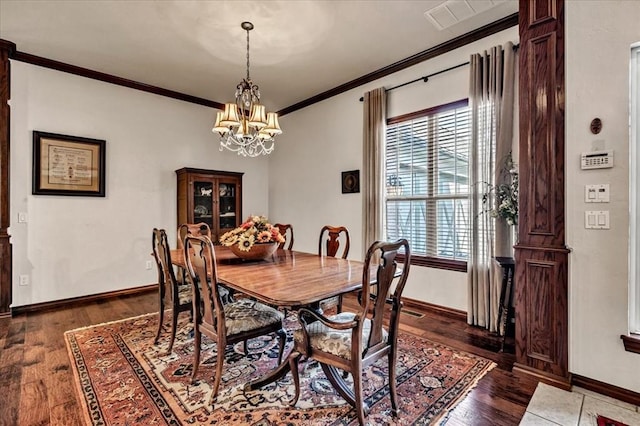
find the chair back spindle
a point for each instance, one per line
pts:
(200, 229)
(158, 255)
(200, 260)
(287, 232)
(383, 294)
(329, 245)
(331, 236)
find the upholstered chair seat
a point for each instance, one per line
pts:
(246, 314)
(329, 340)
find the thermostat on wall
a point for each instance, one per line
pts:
(596, 160)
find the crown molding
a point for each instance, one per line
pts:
(448, 46)
(109, 78)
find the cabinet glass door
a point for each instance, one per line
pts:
(203, 202)
(227, 205)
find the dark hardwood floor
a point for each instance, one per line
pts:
(501, 397)
(36, 380)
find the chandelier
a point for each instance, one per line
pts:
(244, 126)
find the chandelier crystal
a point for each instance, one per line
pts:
(245, 126)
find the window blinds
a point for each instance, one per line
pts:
(427, 181)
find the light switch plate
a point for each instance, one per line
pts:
(598, 219)
(597, 193)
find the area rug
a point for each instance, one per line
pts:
(123, 379)
(605, 421)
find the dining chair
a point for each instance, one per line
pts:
(226, 324)
(286, 230)
(351, 341)
(330, 240)
(200, 229)
(331, 237)
(172, 294)
(197, 229)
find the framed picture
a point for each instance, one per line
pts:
(68, 165)
(351, 182)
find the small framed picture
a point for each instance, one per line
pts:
(351, 182)
(68, 165)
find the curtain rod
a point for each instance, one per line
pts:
(426, 77)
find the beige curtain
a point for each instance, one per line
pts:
(491, 93)
(375, 120)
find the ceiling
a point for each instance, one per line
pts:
(298, 48)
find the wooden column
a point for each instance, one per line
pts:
(6, 50)
(541, 254)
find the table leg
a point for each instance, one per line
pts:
(281, 370)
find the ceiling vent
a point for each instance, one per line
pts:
(452, 12)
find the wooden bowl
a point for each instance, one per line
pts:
(257, 251)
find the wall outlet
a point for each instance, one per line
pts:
(149, 264)
(24, 279)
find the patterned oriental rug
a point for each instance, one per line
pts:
(123, 379)
(605, 421)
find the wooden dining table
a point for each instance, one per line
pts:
(287, 279)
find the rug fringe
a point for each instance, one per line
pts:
(443, 418)
(111, 322)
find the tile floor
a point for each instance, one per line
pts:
(551, 406)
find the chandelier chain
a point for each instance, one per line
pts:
(248, 78)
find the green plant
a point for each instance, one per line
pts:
(506, 194)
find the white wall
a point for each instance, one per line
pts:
(598, 39)
(321, 141)
(75, 246)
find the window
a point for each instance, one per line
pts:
(634, 187)
(427, 184)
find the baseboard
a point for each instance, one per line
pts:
(37, 307)
(542, 376)
(442, 310)
(606, 389)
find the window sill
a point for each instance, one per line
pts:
(439, 263)
(631, 342)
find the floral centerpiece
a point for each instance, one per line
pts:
(256, 238)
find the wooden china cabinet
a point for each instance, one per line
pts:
(210, 196)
